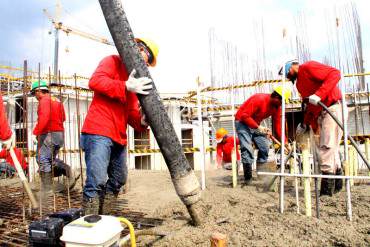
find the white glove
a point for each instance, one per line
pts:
(140, 85)
(143, 120)
(10, 143)
(34, 140)
(314, 99)
(263, 130)
(301, 128)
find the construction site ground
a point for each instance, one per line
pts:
(248, 216)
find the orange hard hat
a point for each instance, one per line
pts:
(220, 134)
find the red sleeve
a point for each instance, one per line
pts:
(5, 132)
(328, 75)
(247, 113)
(103, 82)
(219, 154)
(3, 154)
(237, 141)
(311, 115)
(134, 116)
(21, 158)
(43, 116)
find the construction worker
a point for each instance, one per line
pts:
(319, 82)
(6, 136)
(7, 168)
(104, 138)
(225, 146)
(49, 136)
(249, 129)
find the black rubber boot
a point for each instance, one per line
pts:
(90, 205)
(106, 205)
(247, 169)
(338, 182)
(327, 185)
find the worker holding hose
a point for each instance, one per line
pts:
(103, 137)
(319, 82)
(249, 129)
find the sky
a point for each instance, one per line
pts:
(180, 28)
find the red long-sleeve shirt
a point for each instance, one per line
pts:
(5, 132)
(5, 154)
(224, 149)
(112, 107)
(322, 80)
(51, 115)
(256, 109)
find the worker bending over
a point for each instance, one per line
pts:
(49, 133)
(7, 168)
(319, 82)
(104, 138)
(225, 146)
(249, 129)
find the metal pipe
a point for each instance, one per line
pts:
(295, 172)
(183, 177)
(349, 137)
(312, 176)
(202, 149)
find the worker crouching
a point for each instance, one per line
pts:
(250, 131)
(318, 82)
(225, 147)
(104, 138)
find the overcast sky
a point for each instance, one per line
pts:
(179, 27)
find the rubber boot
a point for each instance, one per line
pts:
(106, 205)
(327, 185)
(46, 181)
(338, 182)
(247, 169)
(62, 168)
(90, 205)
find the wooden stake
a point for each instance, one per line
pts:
(234, 168)
(306, 181)
(218, 240)
(351, 154)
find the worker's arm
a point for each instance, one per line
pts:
(103, 82)
(328, 75)
(276, 118)
(5, 132)
(219, 155)
(246, 116)
(134, 115)
(311, 115)
(43, 113)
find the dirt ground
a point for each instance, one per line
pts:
(247, 216)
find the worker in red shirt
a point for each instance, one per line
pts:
(49, 136)
(7, 168)
(6, 136)
(225, 146)
(249, 129)
(104, 137)
(319, 82)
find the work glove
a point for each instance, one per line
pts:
(301, 128)
(34, 140)
(314, 99)
(140, 85)
(263, 130)
(9, 143)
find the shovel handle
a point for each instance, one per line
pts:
(23, 178)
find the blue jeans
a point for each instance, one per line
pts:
(247, 136)
(48, 146)
(104, 159)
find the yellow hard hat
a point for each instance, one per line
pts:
(287, 92)
(220, 133)
(153, 48)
